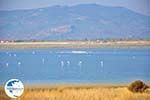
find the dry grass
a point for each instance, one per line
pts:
(79, 93)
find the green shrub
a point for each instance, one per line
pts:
(138, 86)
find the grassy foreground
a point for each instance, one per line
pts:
(79, 93)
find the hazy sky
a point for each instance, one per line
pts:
(141, 6)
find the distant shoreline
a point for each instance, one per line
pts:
(78, 44)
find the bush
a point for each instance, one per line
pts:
(138, 86)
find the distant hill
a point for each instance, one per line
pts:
(85, 21)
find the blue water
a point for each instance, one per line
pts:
(111, 65)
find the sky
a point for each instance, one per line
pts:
(140, 6)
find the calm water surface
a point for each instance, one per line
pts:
(52, 66)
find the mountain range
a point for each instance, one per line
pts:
(79, 22)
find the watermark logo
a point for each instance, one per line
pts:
(14, 88)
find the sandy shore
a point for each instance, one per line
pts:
(78, 93)
(77, 44)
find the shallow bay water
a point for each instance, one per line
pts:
(99, 65)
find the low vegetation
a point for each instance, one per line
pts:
(138, 86)
(79, 93)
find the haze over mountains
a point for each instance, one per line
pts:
(80, 22)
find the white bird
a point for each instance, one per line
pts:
(7, 64)
(59, 55)
(68, 63)
(19, 63)
(33, 52)
(10, 54)
(133, 57)
(62, 63)
(79, 63)
(15, 55)
(43, 60)
(102, 63)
